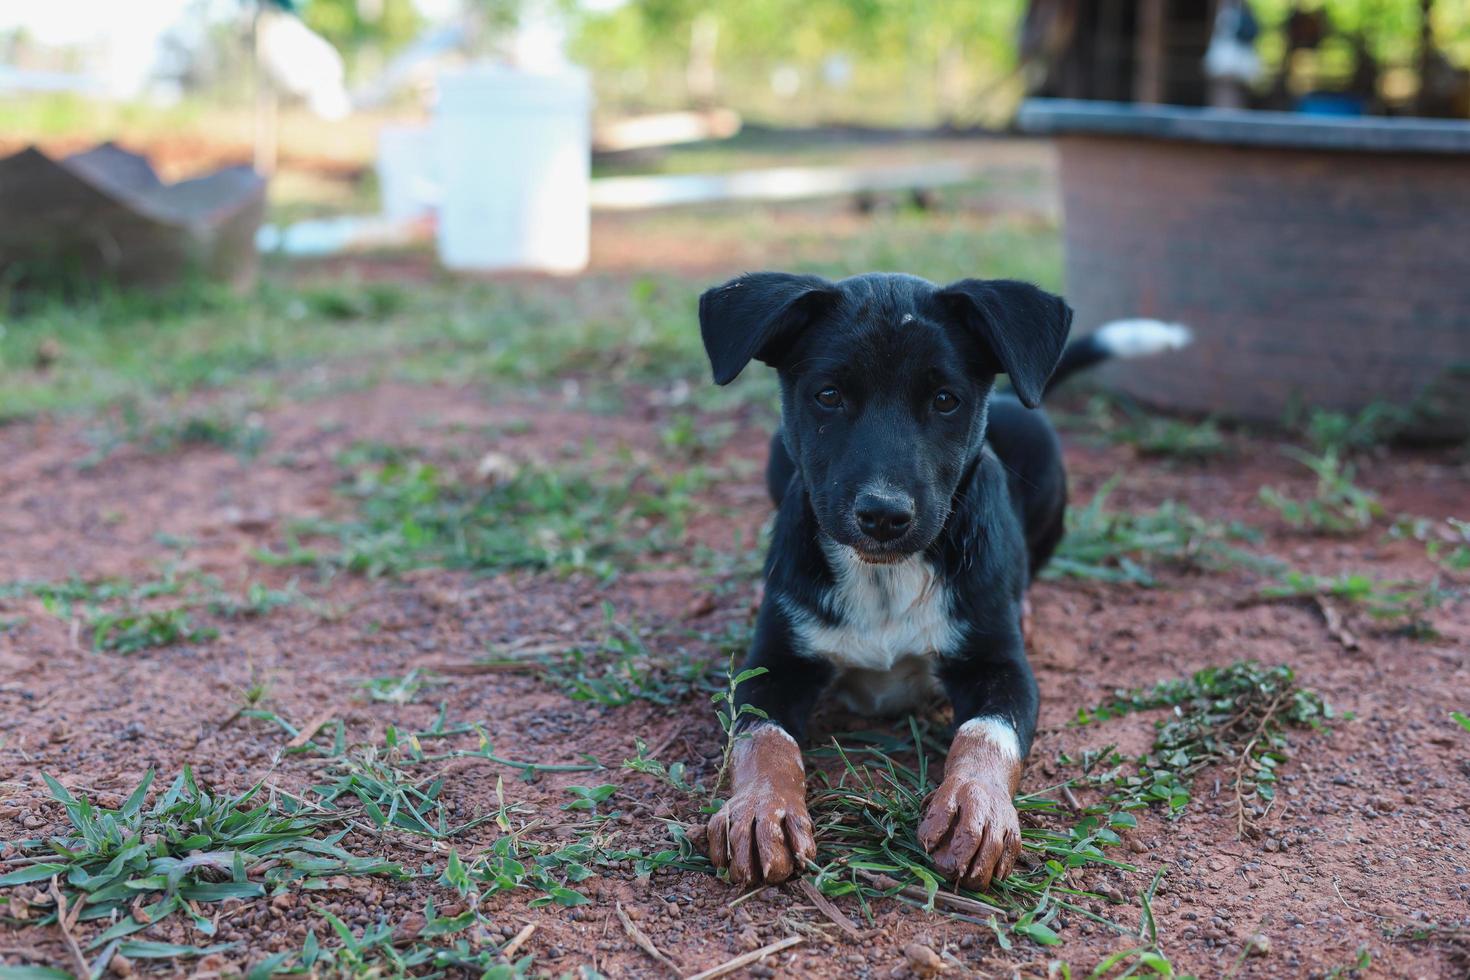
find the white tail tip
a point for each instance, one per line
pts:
(1142, 337)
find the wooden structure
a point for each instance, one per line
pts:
(1319, 261)
(105, 215)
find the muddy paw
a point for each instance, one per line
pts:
(972, 832)
(764, 834)
(761, 839)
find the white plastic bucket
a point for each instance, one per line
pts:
(514, 154)
(408, 171)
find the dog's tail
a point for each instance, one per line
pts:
(1119, 338)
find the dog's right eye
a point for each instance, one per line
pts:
(829, 397)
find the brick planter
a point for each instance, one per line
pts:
(1321, 263)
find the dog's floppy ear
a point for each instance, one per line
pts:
(1024, 327)
(758, 315)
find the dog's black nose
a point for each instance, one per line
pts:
(883, 517)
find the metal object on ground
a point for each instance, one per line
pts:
(1322, 263)
(104, 214)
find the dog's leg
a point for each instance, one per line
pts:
(764, 833)
(970, 826)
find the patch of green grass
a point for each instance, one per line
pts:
(390, 795)
(402, 689)
(688, 437)
(1237, 715)
(1118, 546)
(1123, 422)
(354, 300)
(192, 847)
(622, 670)
(1409, 605)
(1461, 719)
(124, 616)
(129, 632)
(674, 773)
(1343, 433)
(867, 817)
(1109, 546)
(413, 514)
(1339, 506)
(552, 869)
(1144, 960)
(1356, 968)
(1154, 435)
(243, 433)
(1446, 544)
(381, 950)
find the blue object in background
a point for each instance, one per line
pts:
(1330, 104)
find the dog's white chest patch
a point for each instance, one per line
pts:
(885, 616)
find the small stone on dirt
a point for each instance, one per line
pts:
(923, 960)
(410, 927)
(496, 468)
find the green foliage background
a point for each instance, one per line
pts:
(886, 62)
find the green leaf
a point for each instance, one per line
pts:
(135, 802)
(218, 891)
(1037, 933)
(36, 872)
(267, 967)
(142, 949)
(59, 791)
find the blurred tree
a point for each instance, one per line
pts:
(918, 61)
(357, 27)
(1377, 40)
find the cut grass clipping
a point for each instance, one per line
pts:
(868, 794)
(413, 514)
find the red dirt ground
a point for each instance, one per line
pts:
(1371, 830)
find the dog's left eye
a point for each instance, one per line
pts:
(829, 397)
(945, 402)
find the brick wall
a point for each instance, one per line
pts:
(1328, 279)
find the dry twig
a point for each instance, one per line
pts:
(1241, 823)
(641, 940)
(745, 959)
(958, 902)
(312, 727)
(510, 948)
(1335, 624)
(825, 906)
(66, 919)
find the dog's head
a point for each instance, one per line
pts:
(885, 380)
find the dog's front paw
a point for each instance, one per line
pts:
(971, 831)
(764, 832)
(760, 838)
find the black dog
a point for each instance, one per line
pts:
(915, 507)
